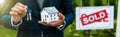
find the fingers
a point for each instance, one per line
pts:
(13, 13)
(53, 24)
(61, 16)
(43, 23)
(14, 9)
(20, 4)
(26, 7)
(19, 9)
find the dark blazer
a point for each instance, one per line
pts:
(33, 28)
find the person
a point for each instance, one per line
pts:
(14, 17)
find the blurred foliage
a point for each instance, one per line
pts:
(71, 31)
(4, 32)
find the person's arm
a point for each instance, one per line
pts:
(8, 23)
(5, 17)
(67, 11)
(11, 17)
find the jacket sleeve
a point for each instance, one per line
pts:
(67, 11)
(5, 18)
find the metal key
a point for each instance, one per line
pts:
(29, 17)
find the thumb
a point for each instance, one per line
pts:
(61, 16)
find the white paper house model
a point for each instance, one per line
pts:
(49, 14)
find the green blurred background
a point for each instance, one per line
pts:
(70, 31)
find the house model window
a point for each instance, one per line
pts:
(49, 14)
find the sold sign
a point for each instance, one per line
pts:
(98, 17)
(94, 17)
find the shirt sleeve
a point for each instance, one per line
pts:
(15, 25)
(67, 10)
(63, 26)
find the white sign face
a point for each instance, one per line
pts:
(118, 22)
(99, 17)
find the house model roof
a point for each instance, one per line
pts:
(51, 10)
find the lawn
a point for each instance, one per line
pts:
(4, 32)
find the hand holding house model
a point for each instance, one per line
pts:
(49, 14)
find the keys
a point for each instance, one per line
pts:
(29, 17)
